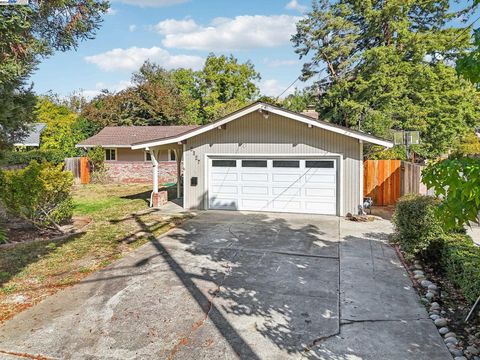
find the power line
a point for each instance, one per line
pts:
(288, 87)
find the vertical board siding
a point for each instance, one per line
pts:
(253, 134)
(84, 171)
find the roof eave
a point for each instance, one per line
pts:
(272, 109)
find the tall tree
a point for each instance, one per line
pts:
(30, 33)
(224, 85)
(385, 64)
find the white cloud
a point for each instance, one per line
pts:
(132, 28)
(280, 62)
(272, 87)
(91, 93)
(294, 5)
(151, 3)
(241, 32)
(132, 58)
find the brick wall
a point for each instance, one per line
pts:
(140, 171)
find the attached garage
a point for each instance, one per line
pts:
(264, 158)
(302, 185)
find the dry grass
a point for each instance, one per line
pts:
(30, 272)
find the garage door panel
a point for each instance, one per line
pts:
(285, 205)
(328, 192)
(277, 190)
(255, 190)
(255, 204)
(321, 207)
(323, 178)
(254, 177)
(224, 203)
(218, 176)
(225, 189)
(292, 178)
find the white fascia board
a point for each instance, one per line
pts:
(21, 144)
(272, 110)
(201, 130)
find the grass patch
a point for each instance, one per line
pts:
(36, 270)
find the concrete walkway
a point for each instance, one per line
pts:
(229, 285)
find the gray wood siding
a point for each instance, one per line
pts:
(252, 134)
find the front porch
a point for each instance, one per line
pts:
(159, 198)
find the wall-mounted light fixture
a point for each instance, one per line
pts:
(263, 110)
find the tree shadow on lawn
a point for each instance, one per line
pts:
(258, 282)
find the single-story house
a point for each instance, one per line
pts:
(265, 158)
(32, 138)
(123, 164)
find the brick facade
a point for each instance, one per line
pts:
(140, 171)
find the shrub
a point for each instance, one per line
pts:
(25, 157)
(96, 156)
(460, 259)
(40, 194)
(416, 223)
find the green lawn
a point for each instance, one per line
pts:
(121, 222)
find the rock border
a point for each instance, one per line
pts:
(430, 293)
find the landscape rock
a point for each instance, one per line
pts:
(443, 330)
(434, 316)
(418, 272)
(425, 283)
(429, 295)
(473, 350)
(456, 352)
(441, 322)
(450, 334)
(460, 358)
(451, 340)
(435, 306)
(433, 287)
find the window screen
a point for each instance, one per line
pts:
(319, 164)
(148, 156)
(286, 163)
(254, 163)
(224, 163)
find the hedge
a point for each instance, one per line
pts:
(459, 257)
(25, 157)
(416, 223)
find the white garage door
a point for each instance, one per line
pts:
(286, 185)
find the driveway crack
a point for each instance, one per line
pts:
(198, 324)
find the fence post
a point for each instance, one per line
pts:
(84, 171)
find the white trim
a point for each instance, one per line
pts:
(184, 174)
(21, 144)
(339, 160)
(105, 154)
(274, 110)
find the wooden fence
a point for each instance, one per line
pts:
(385, 181)
(80, 169)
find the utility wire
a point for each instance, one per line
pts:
(288, 87)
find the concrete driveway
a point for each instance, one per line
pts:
(228, 285)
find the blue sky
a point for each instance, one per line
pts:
(179, 33)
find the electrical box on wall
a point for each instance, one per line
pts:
(193, 181)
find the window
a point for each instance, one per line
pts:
(110, 154)
(171, 155)
(319, 164)
(286, 163)
(224, 163)
(148, 156)
(254, 163)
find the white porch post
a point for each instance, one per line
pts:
(178, 157)
(154, 198)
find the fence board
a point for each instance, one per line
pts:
(84, 171)
(385, 181)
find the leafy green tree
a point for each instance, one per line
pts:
(384, 65)
(225, 85)
(457, 181)
(29, 34)
(299, 101)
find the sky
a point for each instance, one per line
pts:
(179, 33)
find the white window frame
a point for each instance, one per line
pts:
(147, 152)
(111, 149)
(170, 152)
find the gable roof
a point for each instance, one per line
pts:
(33, 136)
(125, 136)
(260, 106)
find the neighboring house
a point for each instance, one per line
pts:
(126, 165)
(32, 138)
(264, 158)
